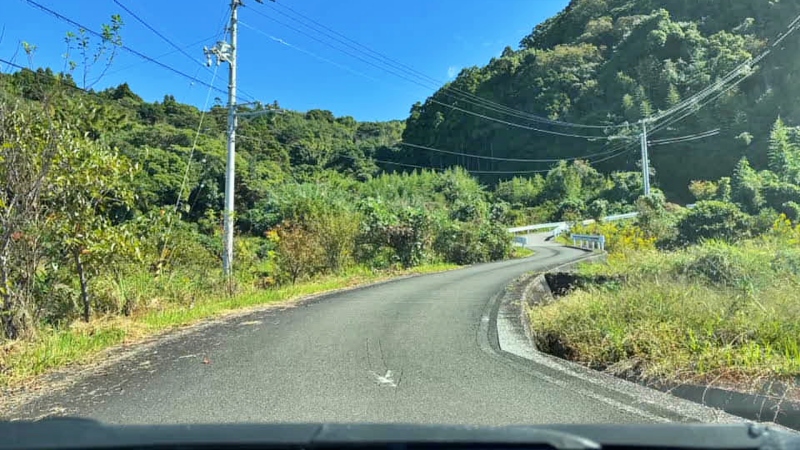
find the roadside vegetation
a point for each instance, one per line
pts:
(110, 216)
(705, 295)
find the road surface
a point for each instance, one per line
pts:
(403, 351)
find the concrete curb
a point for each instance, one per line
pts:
(771, 409)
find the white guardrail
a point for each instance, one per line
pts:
(589, 241)
(561, 227)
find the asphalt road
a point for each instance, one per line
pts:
(327, 360)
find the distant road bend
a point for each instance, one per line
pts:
(403, 351)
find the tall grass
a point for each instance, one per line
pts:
(165, 304)
(713, 311)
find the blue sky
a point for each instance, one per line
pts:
(434, 37)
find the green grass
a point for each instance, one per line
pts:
(521, 252)
(22, 361)
(710, 312)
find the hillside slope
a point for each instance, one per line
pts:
(605, 62)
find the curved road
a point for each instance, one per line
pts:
(327, 360)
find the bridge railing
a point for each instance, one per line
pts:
(589, 241)
(561, 227)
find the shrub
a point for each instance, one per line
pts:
(783, 230)
(501, 212)
(703, 190)
(777, 194)
(298, 253)
(792, 211)
(762, 222)
(497, 240)
(598, 209)
(570, 210)
(712, 220)
(657, 218)
(459, 243)
(519, 190)
(473, 242)
(336, 232)
(620, 237)
(717, 262)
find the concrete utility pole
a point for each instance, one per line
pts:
(224, 51)
(645, 159)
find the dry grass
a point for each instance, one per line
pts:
(711, 312)
(23, 361)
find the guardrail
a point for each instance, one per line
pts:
(535, 227)
(590, 241)
(565, 226)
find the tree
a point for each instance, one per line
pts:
(89, 180)
(704, 190)
(746, 187)
(298, 253)
(30, 141)
(101, 52)
(562, 182)
(712, 220)
(783, 154)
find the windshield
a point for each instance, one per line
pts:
(450, 212)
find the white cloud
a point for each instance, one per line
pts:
(452, 71)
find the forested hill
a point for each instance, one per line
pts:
(274, 147)
(607, 62)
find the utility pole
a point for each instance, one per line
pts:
(225, 51)
(645, 159)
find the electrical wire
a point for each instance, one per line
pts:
(497, 158)
(517, 125)
(382, 58)
(194, 142)
(163, 55)
(410, 166)
(171, 43)
(123, 46)
(691, 137)
(307, 52)
(698, 107)
(523, 172)
(614, 153)
(158, 33)
(427, 85)
(736, 72)
(281, 41)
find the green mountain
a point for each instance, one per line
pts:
(610, 62)
(274, 146)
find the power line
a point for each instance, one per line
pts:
(158, 33)
(123, 46)
(680, 139)
(194, 142)
(410, 166)
(71, 86)
(497, 158)
(307, 52)
(698, 107)
(744, 70)
(170, 42)
(382, 58)
(525, 127)
(522, 172)
(163, 55)
(393, 70)
(614, 153)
